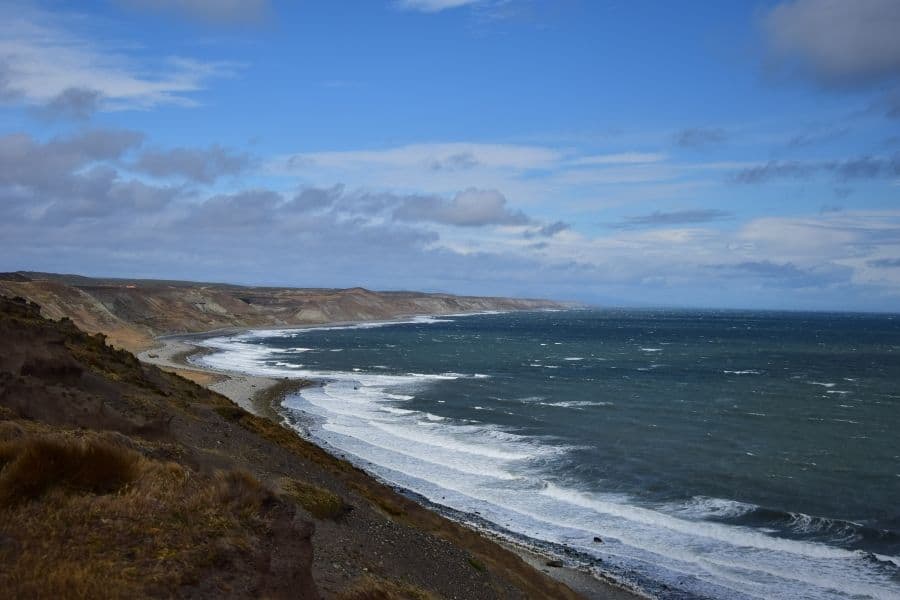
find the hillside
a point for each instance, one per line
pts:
(120, 480)
(132, 312)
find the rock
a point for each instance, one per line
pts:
(597, 539)
(555, 563)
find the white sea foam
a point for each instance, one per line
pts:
(704, 507)
(529, 399)
(744, 372)
(730, 534)
(503, 475)
(576, 403)
(823, 384)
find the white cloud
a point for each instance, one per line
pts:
(433, 6)
(623, 158)
(43, 61)
(431, 156)
(469, 208)
(72, 195)
(432, 168)
(527, 174)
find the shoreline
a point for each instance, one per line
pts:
(262, 396)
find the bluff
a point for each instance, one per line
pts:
(119, 480)
(131, 312)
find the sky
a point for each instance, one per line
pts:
(734, 154)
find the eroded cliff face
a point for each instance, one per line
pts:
(132, 312)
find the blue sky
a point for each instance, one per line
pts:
(733, 154)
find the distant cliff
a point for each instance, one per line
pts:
(131, 312)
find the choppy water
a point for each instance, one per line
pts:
(721, 454)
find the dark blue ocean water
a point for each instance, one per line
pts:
(722, 454)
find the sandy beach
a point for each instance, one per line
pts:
(262, 396)
(172, 354)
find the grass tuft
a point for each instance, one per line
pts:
(231, 412)
(477, 564)
(33, 466)
(318, 501)
(387, 502)
(372, 588)
(240, 491)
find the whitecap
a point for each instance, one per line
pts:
(828, 385)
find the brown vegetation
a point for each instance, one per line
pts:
(315, 499)
(373, 588)
(34, 465)
(86, 517)
(120, 480)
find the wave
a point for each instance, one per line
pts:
(576, 403)
(705, 546)
(745, 538)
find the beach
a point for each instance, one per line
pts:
(262, 396)
(575, 434)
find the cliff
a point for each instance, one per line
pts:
(132, 312)
(119, 480)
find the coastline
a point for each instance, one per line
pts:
(262, 396)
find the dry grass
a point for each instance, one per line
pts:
(112, 523)
(289, 440)
(199, 377)
(372, 588)
(107, 526)
(389, 503)
(477, 564)
(318, 501)
(33, 466)
(230, 413)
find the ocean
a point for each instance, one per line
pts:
(690, 454)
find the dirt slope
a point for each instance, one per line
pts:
(120, 480)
